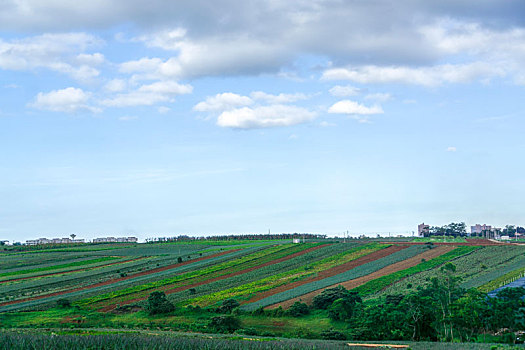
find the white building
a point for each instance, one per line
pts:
(423, 230)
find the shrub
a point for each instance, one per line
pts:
(328, 296)
(225, 324)
(228, 305)
(63, 302)
(298, 309)
(158, 304)
(331, 334)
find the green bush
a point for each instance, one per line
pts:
(331, 334)
(298, 309)
(158, 304)
(225, 324)
(63, 302)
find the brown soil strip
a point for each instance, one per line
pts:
(351, 284)
(182, 288)
(159, 269)
(69, 271)
(329, 272)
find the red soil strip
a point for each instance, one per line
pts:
(159, 269)
(68, 271)
(354, 283)
(470, 242)
(180, 289)
(329, 272)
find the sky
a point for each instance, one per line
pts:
(162, 118)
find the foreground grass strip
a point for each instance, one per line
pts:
(217, 270)
(283, 278)
(378, 284)
(356, 272)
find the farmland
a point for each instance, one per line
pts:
(109, 285)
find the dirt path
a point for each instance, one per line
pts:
(182, 288)
(69, 271)
(159, 269)
(405, 264)
(329, 272)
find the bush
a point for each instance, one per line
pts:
(331, 334)
(298, 309)
(63, 302)
(159, 304)
(328, 296)
(225, 324)
(228, 305)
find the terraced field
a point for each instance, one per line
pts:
(255, 273)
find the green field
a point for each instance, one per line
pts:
(108, 286)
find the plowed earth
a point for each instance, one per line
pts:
(164, 268)
(169, 290)
(405, 264)
(329, 272)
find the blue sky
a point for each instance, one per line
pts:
(214, 117)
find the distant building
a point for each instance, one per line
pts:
(478, 229)
(297, 240)
(423, 230)
(53, 241)
(115, 240)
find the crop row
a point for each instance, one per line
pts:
(210, 286)
(221, 268)
(480, 261)
(96, 289)
(211, 272)
(378, 284)
(497, 278)
(286, 277)
(356, 272)
(64, 266)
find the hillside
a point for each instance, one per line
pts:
(108, 285)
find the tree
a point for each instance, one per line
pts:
(72, 236)
(509, 230)
(328, 296)
(298, 309)
(225, 324)
(228, 305)
(158, 304)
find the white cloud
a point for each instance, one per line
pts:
(147, 95)
(67, 100)
(451, 149)
(53, 52)
(264, 117)
(326, 124)
(277, 99)
(163, 109)
(95, 59)
(128, 118)
(355, 108)
(344, 91)
(115, 85)
(426, 76)
(379, 97)
(222, 102)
